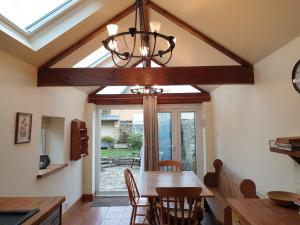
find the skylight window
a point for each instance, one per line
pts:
(29, 15)
(93, 59)
(114, 90)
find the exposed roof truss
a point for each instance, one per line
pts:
(242, 74)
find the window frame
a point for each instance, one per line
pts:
(43, 148)
(42, 22)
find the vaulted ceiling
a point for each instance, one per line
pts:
(252, 29)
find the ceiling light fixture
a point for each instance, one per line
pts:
(146, 90)
(144, 51)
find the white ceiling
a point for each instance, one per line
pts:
(252, 29)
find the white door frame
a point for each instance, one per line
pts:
(176, 137)
(98, 141)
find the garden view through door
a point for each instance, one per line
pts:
(121, 147)
(177, 136)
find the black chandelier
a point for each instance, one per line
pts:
(122, 56)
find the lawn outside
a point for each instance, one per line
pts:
(117, 153)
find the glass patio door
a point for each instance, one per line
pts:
(179, 135)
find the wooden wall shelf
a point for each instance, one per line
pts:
(79, 140)
(295, 155)
(50, 169)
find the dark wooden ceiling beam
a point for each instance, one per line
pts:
(198, 34)
(148, 76)
(88, 37)
(102, 87)
(136, 99)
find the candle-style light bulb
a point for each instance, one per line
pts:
(155, 26)
(112, 29)
(113, 45)
(144, 51)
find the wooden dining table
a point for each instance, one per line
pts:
(153, 179)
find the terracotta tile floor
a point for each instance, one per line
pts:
(117, 215)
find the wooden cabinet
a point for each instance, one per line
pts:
(49, 209)
(79, 140)
(54, 218)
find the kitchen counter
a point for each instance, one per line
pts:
(46, 205)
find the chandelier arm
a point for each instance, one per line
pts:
(120, 66)
(132, 52)
(168, 59)
(120, 56)
(154, 46)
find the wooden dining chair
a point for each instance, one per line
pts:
(184, 210)
(136, 201)
(169, 165)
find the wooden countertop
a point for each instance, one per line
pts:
(263, 212)
(46, 205)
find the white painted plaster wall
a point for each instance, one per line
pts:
(246, 117)
(19, 163)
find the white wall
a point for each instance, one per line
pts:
(89, 161)
(19, 163)
(247, 117)
(208, 136)
(55, 140)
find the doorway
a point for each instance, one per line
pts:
(121, 137)
(180, 135)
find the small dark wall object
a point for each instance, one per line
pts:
(23, 128)
(296, 77)
(44, 161)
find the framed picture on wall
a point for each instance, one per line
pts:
(23, 128)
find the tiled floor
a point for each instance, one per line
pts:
(118, 215)
(86, 215)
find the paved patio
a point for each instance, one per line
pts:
(112, 178)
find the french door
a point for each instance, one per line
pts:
(179, 135)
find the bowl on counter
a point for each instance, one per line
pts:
(283, 198)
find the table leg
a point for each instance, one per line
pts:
(152, 216)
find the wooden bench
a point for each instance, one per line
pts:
(224, 184)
